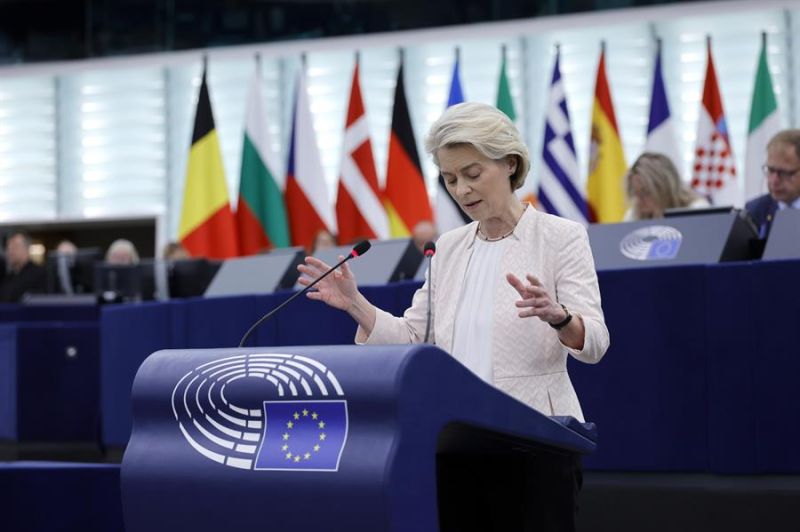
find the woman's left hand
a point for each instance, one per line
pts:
(535, 300)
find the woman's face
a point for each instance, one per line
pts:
(645, 202)
(480, 185)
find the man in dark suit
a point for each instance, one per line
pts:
(782, 172)
(22, 276)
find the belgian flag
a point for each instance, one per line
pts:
(406, 196)
(207, 227)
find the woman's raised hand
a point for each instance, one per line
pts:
(338, 290)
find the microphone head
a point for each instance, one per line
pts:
(430, 249)
(360, 248)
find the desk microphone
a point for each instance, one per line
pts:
(429, 251)
(358, 250)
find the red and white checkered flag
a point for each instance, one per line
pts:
(714, 173)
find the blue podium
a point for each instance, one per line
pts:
(318, 438)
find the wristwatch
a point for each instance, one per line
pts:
(563, 323)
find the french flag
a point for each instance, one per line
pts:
(660, 129)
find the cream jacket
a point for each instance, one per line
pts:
(528, 359)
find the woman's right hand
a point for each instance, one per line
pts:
(338, 289)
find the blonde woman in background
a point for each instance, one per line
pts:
(653, 185)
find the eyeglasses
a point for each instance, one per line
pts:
(782, 174)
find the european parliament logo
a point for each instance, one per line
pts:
(265, 412)
(654, 242)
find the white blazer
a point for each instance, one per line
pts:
(529, 362)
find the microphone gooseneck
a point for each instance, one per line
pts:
(429, 251)
(358, 250)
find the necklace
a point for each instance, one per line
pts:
(493, 239)
(496, 238)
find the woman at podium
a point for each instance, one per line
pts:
(510, 295)
(513, 293)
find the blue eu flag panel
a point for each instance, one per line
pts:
(303, 435)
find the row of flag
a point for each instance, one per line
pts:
(278, 211)
(713, 172)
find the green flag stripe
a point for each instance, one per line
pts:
(504, 100)
(260, 191)
(764, 103)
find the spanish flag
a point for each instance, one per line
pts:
(607, 162)
(207, 227)
(406, 196)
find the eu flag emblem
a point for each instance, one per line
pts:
(303, 435)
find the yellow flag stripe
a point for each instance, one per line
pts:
(397, 228)
(605, 185)
(205, 190)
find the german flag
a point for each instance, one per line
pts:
(406, 196)
(207, 227)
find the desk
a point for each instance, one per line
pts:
(700, 375)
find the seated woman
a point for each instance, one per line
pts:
(653, 185)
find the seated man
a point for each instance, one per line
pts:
(22, 276)
(782, 172)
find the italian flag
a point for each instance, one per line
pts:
(261, 212)
(764, 124)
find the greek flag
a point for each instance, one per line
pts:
(559, 191)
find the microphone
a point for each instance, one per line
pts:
(358, 250)
(429, 251)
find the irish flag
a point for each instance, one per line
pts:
(261, 213)
(607, 161)
(764, 123)
(359, 207)
(207, 227)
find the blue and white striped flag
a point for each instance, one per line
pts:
(660, 130)
(559, 187)
(448, 213)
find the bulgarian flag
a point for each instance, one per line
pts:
(405, 197)
(307, 203)
(607, 161)
(764, 124)
(359, 210)
(261, 213)
(207, 227)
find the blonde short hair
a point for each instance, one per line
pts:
(661, 180)
(486, 129)
(124, 247)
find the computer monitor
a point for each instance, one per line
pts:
(191, 277)
(72, 274)
(117, 283)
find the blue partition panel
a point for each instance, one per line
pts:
(776, 314)
(51, 382)
(732, 338)
(648, 394)
(129, 333)
(60, 497)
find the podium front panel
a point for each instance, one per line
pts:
(679, 241)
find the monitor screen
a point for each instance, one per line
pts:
(72, 274)
(191, 277)
(115, 283)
